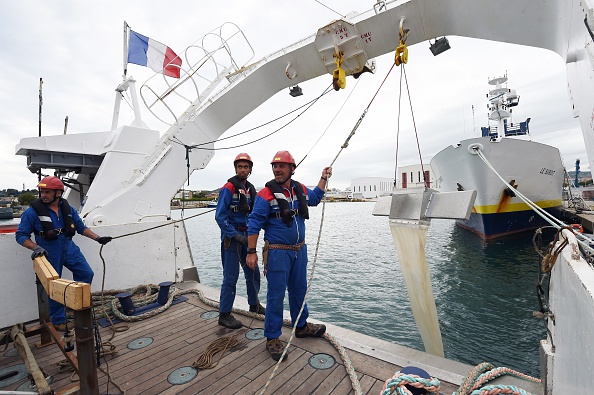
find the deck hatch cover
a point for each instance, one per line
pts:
(12, 374)
(12, 352)
(321, 361)
(142, 342)
(255, 334)
(182, 375)
(209, 315)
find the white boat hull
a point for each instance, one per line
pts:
(536, 170)
(568, 353)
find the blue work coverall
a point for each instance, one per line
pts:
(286, 269)
(232, 222)
(62, 252)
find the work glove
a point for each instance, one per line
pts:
(38, 251)
(240, 239)
(103, 239)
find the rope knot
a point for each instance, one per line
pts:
(401, 384)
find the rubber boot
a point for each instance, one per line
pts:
(227, 320)
(258, 309)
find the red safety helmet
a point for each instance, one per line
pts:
(283, 157)
(51, 182)
(245, 157)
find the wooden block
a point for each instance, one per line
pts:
(78, 294)
(45, 272)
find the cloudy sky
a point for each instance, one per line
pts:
(77, 48)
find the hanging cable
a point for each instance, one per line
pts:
(199, 146)
(403, 73)
(331, 121)
(414, 126)
(319, 2)
(346, 142)
(397, 130)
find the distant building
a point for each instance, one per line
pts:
(337, 194)
(371, 187)
(412, 177)
(184, 194)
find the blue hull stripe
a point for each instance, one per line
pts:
(502, 224)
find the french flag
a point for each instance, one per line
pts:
(148, 52)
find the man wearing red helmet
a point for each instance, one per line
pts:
(54, 222)
(235, 203)
(281, 209)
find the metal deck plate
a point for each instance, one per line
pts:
(12, 374)
(255, 334)
(209, 314)
(137, 344)
(321, 361)
(13, 352)
(182, 375)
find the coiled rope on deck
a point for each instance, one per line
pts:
(473, 384)
(222, 344)
(485, 372)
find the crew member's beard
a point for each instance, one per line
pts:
(283, 181)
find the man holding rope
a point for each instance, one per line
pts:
(235, 202)
(281, 209)
(54, 223)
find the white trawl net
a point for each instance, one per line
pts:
(409, 239)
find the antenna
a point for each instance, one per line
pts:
(40, 106)
(473, 123)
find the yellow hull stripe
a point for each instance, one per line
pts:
(513, 207)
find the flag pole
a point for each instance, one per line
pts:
(40, 105)
(125, 49)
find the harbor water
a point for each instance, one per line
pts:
(485, 292)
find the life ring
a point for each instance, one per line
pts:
(577, 227)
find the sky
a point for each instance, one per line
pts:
(77, 48)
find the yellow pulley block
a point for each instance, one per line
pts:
(401, 55)
(339, 75)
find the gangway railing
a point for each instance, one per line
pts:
(217, 56)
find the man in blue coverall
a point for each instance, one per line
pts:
(235, 202)
(54, 223)
(281, 209)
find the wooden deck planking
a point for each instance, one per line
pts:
(314, 380)
(131, 362)
(328, 385)
(211, 380)
(290, 378)
(180, 335)
(366, 383)
(376, 388)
